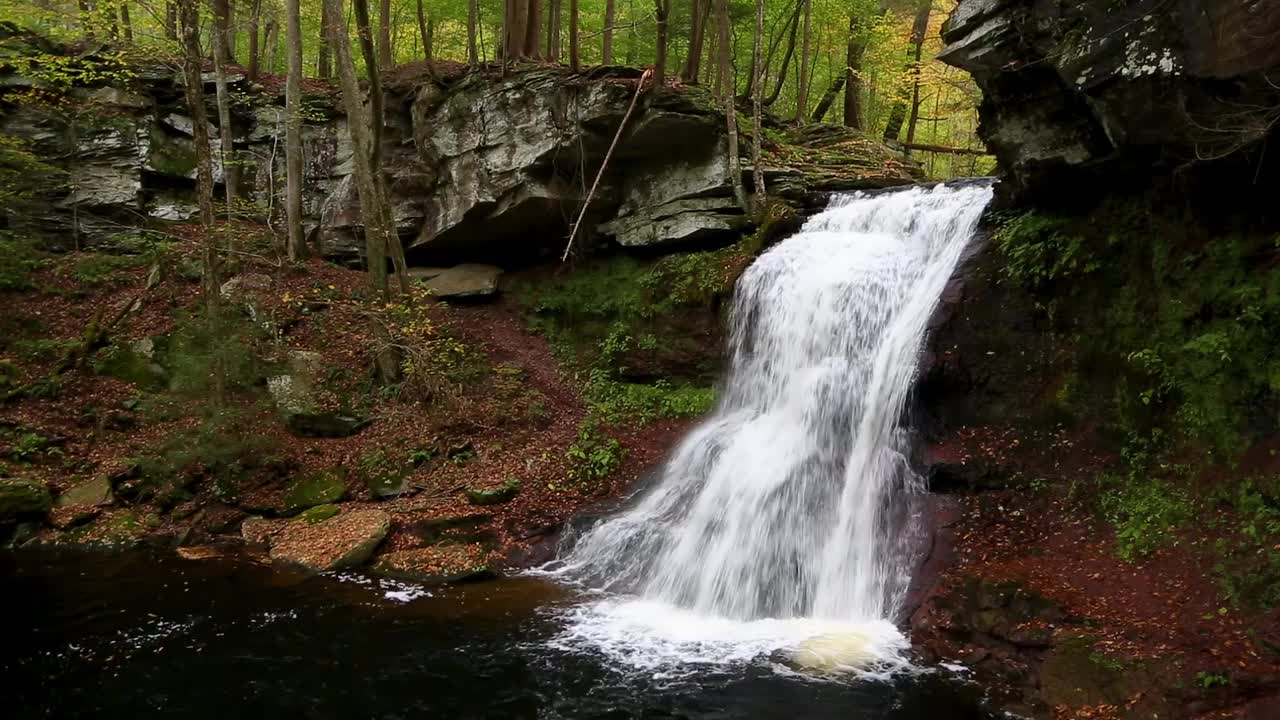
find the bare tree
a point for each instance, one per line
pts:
(553, 30)
(699, 10)
(575, 55)
(125, 22)
(189, 21)
(296, 248)
(221, 31)
(324, 65)
(427, 30)
(473, 21)
(898, 112)
(255, 22)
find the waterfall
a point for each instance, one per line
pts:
(791, 509)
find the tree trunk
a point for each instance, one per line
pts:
(700, 9)
(473, 20)
(170, 19)
(189, 21)
(786, 57)
(221, 31)
(575, 54)
(374, 210)
(271, 40)
(828, 98)
(802, 85)
(426, 28)
(230, 164)
(324, 65)
(125, 22)
(384, 34)
(533, 30)
(606, 49)
(553, 30)
(662, 13)
(898, 113)
(255, 22)
(726, 96)
(297, 246)
(854, 51)
(376, 119)
(757, 128)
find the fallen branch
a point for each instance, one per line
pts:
(944, 149)
(605, 163)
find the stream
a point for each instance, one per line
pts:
(144, 634)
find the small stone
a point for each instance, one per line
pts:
(19, 496)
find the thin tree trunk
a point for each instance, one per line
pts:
(384, 34)
(230, 165)
(700, 9)
(426, 28)
(757, 128)
(854, 51)
(255, 22)
(898, 112)
(802, 85)
(473, 19)
(726, 96)
(828, 98)
(575, 52)
(377, 118)
(662, 14)
(375, 212)
(170, 19)
(271, 40)
(786, 57)
(606, 48)
(553, 30)
(189, 21)
(85, 19)
(324, 64)
(125, 22)
(297, 247)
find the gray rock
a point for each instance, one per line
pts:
(467, 281)
(92, 493)
(344, 541)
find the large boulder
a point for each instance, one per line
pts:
(1074, 92)
(345, 541)
(21, 497)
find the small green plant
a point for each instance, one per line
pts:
(1145, 512)
(27, 446)
(96, 269)
(593, 456)
(1208, 680)
(18, 259)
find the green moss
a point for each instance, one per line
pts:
(18, 260)
(320, 488)
(95, 269)
(492, 495)
(20, 496)
(171, 156)
(318, 514)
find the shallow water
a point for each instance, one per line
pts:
(143, 635)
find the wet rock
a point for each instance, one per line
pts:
(21, 497)
(438, 563)
(344, 541)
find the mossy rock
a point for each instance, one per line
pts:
(492, 494)
(20, 496)
(90, 492)
(319, 513)
(387, 485)
(463, 527)
(1075, 675)
(324, 425)
(320, 488)
(117, 530)
(438, 563)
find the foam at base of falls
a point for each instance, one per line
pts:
(656, 637)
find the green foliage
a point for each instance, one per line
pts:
(24, 175)
(593, 456)
(1173, 326)
(614, 401)
(1145, 513)
(24, 447)
(1209, 681)
(206, 353)
(220, 449)
(18, 259)
(1247, 557)
(95, 269)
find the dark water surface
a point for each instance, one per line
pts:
(145, 635)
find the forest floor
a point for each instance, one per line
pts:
(497, 407)
(1036, 592)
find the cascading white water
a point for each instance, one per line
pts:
(789, 511)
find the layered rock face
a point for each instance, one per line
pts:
(483, 167)
(1077, 92)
